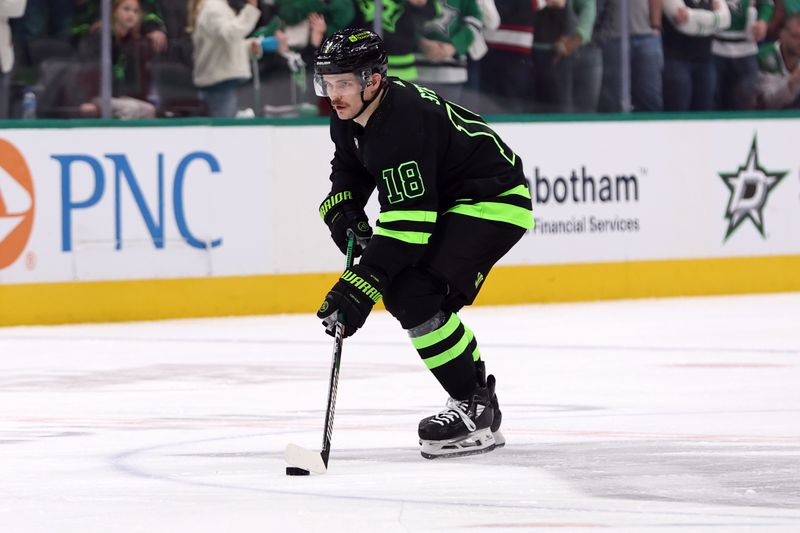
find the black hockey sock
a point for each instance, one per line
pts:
(450, 351)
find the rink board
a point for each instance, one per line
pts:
(182, 219)
(105, 301)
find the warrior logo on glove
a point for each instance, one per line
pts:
(363, 285)
(359, 288)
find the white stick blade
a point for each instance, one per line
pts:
(306, 459)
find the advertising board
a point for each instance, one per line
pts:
(224, 218)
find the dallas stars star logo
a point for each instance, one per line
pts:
(749, 185)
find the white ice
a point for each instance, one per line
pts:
(650, 415)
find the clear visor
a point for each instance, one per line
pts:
(336, 85)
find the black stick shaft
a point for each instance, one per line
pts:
(333, 385)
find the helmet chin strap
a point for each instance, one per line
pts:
(365, 103)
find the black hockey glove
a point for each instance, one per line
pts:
(355, 293)
(340, 212)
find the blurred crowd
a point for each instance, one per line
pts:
(229, 58)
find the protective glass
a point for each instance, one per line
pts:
(334, 85)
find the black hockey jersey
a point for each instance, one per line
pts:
(426, 157)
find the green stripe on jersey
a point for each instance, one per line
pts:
(519, 190)
(499, 212)
(411, 237)
(407, 216)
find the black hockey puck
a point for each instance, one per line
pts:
(295, 471)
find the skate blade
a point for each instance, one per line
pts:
(476, 443)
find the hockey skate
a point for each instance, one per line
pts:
(464, 427)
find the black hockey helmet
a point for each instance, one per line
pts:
(353, 50)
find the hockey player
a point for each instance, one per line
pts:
(453, 200)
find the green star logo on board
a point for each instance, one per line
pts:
(749, 186)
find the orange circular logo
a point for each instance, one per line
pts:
(16, 204)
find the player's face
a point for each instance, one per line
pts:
(344, 90)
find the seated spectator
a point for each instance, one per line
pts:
(130, 55)
(87, 16)
(779, 82)
(689, 76)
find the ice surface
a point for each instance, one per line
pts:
(650, 415)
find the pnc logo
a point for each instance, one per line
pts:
(17, 204)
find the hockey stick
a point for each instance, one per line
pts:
(310, 460)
